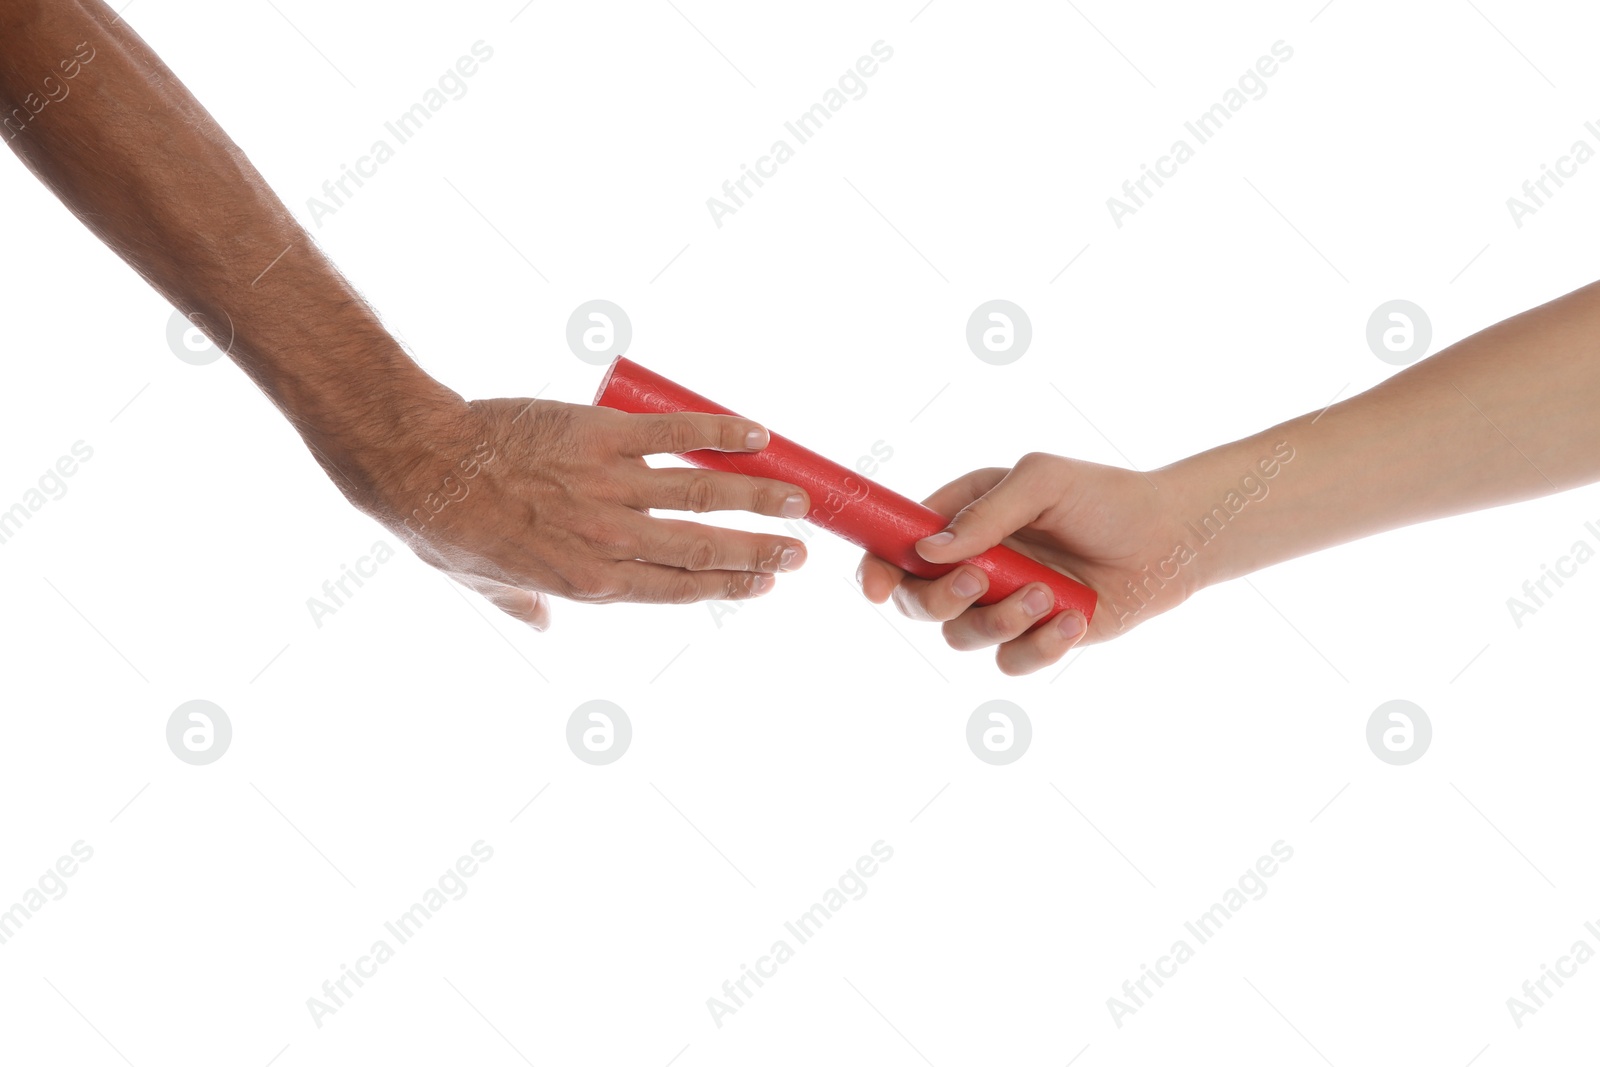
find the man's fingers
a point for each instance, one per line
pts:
(693, 547)
(1042, 647)
(998, 623)
(1018, 498)
(688, 431)
(701, 491)
(521, 604)
(652, 583)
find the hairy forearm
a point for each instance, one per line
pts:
(1504, 415)
(107, 126)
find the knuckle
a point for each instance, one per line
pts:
(1010, 665)
(611, 540)
(944, 604)
(518, 603)
(967, 519)
(957, 636)
(699, 494)
(972, 513)
(700, 554)
(765, 499)
(590, 585)
(553, 433)
(990, 625)
(1037, 467)
(682, 436)
(682, 589)
(582, 588)
(913, 604)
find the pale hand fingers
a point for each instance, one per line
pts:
(983, 627)
(1016, 500)
(879, 579)
(1040, 648)
(950, 599)
(940, 599)
(919, 598)
(950, 498)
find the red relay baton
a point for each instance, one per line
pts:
(843, 502)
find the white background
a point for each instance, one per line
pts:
(772, 750)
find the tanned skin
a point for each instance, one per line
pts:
(518, 499)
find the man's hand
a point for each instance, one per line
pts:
(514, 498)
(1102, 525)
(524, 499)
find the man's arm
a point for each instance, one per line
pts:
(557, 498)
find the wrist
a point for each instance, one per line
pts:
(1225, 506)
(383, 440)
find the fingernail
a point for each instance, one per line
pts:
(1036, 603)
(943, 538)
(794, 506)
(1070, 624)
(755, 440)
(764, 583)
(786, 560)
(966, 584)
